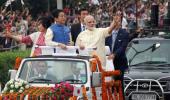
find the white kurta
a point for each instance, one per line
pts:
(95, 39)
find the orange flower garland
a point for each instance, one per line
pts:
(17, 62)
(120, 91)
(107, 85)
(115, 93)
(110, 93)
(32, 92)
(94, 94)
(35, 93)
(0, 97)
(93, 65)
(84, 92)
(73, 98)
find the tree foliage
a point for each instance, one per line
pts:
(7, 61)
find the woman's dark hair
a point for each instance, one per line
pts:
(56, 12)
(45, 21)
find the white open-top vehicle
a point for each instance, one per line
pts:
(91, 83)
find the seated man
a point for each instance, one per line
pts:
(76, 73)
(41, 71)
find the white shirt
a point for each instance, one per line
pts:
(114, 35)
(48, 38)
(42, 76)
(77, 78)
(82, 27)
(124, 23)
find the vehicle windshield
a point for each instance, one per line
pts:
(54, 71)
(159, 56)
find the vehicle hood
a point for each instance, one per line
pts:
(147, 74)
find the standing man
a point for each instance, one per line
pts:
(120, 39)
(58, 34)
(79, 27)
(94, 37)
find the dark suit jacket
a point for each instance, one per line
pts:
(3, 40)
(121, 42)
(75, 30)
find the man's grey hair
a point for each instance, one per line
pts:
(87, 17)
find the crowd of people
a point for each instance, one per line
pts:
(18, 23)
(136, 14)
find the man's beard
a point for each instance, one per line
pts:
(90, 28)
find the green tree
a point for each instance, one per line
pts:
(7, 61)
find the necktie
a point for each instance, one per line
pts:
(83, 28)
(114, 36)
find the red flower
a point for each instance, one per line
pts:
(63, 90)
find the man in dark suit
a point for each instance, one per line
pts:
(77, 28)
(118, 43)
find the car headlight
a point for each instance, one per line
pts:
(168, 86)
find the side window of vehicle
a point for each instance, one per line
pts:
(24, 71)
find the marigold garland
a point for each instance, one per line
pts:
(115, 93)
(93, 65)
(94, 97)
(120, 91)
(17, 62)
(73, 98)
(107, 85)
(110, 93)
(104, 90)
(32, 92)
(84, 92)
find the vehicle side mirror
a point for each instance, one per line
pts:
(96, 79)
(12, 73)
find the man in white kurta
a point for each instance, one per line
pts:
(95, 37)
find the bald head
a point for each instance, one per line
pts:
(90, 22)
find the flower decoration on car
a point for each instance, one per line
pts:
(15, 86)
(62, 91)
